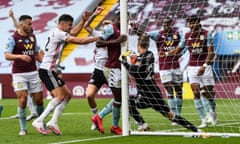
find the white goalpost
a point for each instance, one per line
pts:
(221, 18)
(125, 93)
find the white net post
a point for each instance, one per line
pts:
(125, 93)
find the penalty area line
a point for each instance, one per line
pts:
(83, 140)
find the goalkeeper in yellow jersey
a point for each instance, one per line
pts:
(148, 92)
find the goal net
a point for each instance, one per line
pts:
(221, 18)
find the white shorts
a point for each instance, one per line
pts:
(171, 75)
(29, 81)
(113, 77)
(204, 80)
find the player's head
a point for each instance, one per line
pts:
(167, 23)
(25, 23)
(143, 43)
(65, 22)
(194, 22)
(116, 20)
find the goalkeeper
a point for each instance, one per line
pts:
(149, 94)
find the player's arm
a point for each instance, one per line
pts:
(39, 54)
(175, 51)
(9, 52)
(102, 43)
(211, 54)
(140, 66)
(84, 40)
(76, 29)
(11, 15)
(108, 32)
(87, 26)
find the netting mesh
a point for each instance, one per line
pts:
(221, 19)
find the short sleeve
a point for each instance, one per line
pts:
(10, 45)
(153, 34)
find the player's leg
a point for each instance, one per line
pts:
(53, 84)
(199, 104)
(159, 105)
(208, 93)
(209, 98)
(53, 123)
(167, 80)
(22, 101)
(178, 88)
(97, 119)
(90, 94)
(95, 83)
(133, 105)
(35, 89)
(32, 108)
(113, 77)
(116, 111)
(195, 86)
(20, 84)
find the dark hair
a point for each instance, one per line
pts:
(65, 17)
(193, 18)
(167, 20)
(24, 17)
(143, 41)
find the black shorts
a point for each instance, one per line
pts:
(50, 79)
(97, 78)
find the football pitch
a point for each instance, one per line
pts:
(75, 125)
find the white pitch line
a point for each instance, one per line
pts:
(83, 140)
(77, 113)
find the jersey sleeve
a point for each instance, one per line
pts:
(10, 45)
(209, 39)
(153, 34)
(108, 31)
(96, 33)
(37, 47)
(182, 41)
(62, 36)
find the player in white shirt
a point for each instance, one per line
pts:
(97, 78)
(64, 33)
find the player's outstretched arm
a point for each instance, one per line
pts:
(11, 15)
(84, 40)
(76, 29)
(87, 25)
(102, 43)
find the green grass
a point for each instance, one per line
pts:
(75, 124)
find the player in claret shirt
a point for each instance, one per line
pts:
(23, 51)
(148, 92)
(169, 68)
(200, 45)
(112, 72)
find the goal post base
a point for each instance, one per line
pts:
(184, 134)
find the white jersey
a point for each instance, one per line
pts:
(53, 50)
(100, 54)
